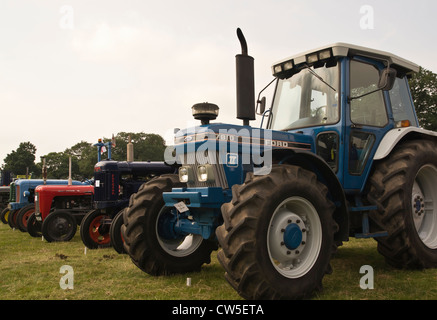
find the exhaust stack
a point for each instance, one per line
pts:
(130, 151)
(245, 82)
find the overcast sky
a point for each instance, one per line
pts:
(84, 69)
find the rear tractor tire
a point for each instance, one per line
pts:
(94, 230)
(23, 216)
(4, 215)
(146, 232)
(404, 187)
(12, 218)
(278, 235)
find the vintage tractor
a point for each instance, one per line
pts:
(114, 183)
(59, 209)
(342, 156)
(5, 181)
(21, 200)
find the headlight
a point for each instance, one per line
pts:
(184, 174)
(205, 173)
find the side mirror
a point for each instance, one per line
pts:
(261, 106)
(387, 79)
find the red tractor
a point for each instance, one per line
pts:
(59, 209)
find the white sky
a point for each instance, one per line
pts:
(84, 69)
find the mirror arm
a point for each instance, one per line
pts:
(349, 99)
(258, 101)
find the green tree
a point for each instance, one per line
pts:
(147, 146)
(57, 164)
(86, 155)
(22, 160)
(423, 87)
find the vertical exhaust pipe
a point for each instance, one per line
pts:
(70, 181)
(44, 170)
(130, 151)
(245, 82)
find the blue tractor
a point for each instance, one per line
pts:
(342, 155)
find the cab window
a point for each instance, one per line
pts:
(368, 110)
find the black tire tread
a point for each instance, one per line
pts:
(238, 235)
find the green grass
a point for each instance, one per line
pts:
(30, 269)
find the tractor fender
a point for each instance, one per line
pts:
(394, 136)
(316, 164)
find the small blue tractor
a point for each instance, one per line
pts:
(342, 155)
(114, 183)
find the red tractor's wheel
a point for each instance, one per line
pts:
(59, 226)
(23, 215)
(94, 230)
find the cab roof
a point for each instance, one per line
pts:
(341, 49)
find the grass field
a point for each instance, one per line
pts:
(30, 270)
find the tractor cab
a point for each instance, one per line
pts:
(347, 98)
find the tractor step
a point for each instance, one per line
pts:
(371, 235)
(365, 223)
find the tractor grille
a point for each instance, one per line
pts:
(219, 173)
(12, 192)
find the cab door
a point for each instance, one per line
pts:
(367, 121)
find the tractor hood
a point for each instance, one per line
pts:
(219, 136)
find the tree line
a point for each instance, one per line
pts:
(147, 146)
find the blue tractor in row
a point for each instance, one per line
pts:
(341, 155)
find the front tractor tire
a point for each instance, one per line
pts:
(115, 232)
(278, 235)
(147, 228)
(59, 226)
(404, 187)
(34, 226)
